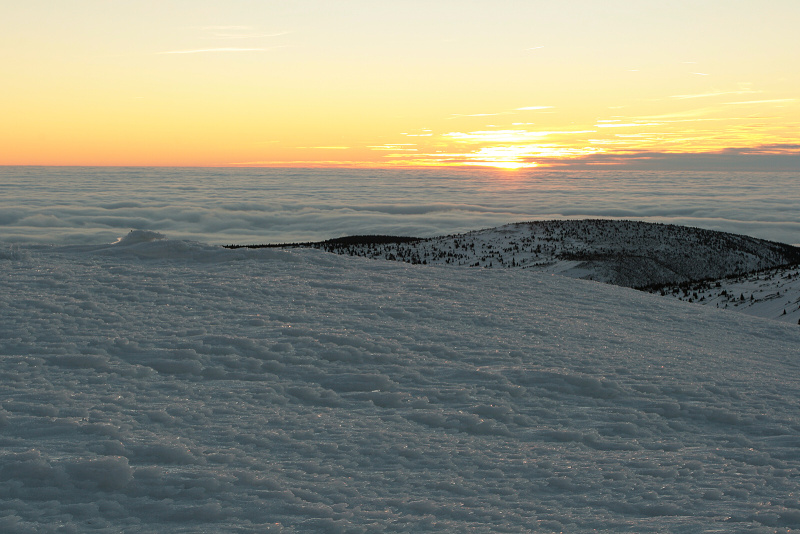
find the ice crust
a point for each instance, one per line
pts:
(168, 386)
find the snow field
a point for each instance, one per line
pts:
(159, 385)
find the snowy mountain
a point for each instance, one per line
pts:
(625, 253)
(167, 386)
(726, 270)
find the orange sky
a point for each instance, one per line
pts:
(315, 83)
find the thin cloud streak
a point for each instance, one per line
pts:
(322, 147)
(709, 95)
(776, 101)
(213, 50)
(506, 136)
(247, 35)
(526, 108)
(682, 114)
(460, 115)
(627, 125)
(781, 157)
(226, 28)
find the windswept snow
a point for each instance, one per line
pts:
(157, 385)
(140, 236)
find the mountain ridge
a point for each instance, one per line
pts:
(620, 252)
(687, 263)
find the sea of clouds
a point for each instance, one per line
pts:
(81, 205)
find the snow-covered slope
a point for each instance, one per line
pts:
(626, 253)
(690, 264)
(772, 294)
(166, 386)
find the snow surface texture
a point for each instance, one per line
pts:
(158, 385)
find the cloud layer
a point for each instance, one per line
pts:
(82, 205)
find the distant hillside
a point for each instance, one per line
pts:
(771, 294)
(625, 253)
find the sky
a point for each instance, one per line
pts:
(313, 83)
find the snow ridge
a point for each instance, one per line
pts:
(619, 252)
(729, 271)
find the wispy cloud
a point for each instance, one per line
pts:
(395, 147)
(775, 101)
(626, 124)
(526, 108)
(305, 163)
(699, 112)
(323, 147)
(226, 28)
(461, 115)
(706, 119)
(774, 148)
(215, 50)
(506, 136)
(228, 35)
(773, 157)
(504, 156)
(709, 95)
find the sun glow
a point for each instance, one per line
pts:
(685, 129)
(512, 166)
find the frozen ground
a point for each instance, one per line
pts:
(167, 386)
